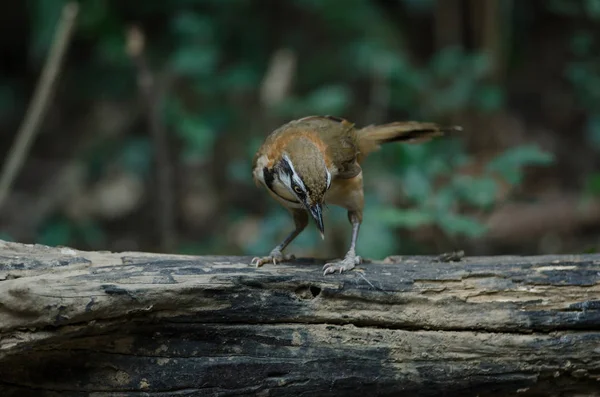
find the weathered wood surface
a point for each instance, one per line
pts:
(76, 323)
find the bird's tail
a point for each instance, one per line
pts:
(372, 137)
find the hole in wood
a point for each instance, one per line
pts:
(276, 374)
(308, 291)
(314, 290)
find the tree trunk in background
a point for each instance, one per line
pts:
(74, 323)
(448, 23)
(490, 26)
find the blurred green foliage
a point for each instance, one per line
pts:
(584, 71)
(439, 206)
(215, 54)
(593, 184)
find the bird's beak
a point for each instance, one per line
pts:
(317, 213)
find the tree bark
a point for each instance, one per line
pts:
(76, 323)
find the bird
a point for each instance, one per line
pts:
(316, 160)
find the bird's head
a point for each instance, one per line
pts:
(302, 178)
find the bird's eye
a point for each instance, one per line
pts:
(297, 189)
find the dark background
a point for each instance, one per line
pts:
(521, 77)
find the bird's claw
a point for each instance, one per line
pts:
(274, 257)
(346, 264)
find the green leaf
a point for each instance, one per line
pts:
(368, 57)
(195, 61)
(376, 239)
(455, 224)
(243, 76)
(582, 43)
(5, 237)
(447, 62)
(586, 81)
(190, 26)
(409, 218)
(510, 163)
(239, 171)
(136, 156)
(444, 199)
(564, 7)
(92, 14)
(331, 99)
(196, 131)
(272, 225)
(454, 97)
(416, 184)
(197, 135)
(593, 130)
(489, 98)
(590, 250)
(56, 232)
(592, 184)
(592, 8)
(477, 191)
(401, 97)
(45, 15)
(479, 65)
(110, 49)
(412, 155)
(578, 73)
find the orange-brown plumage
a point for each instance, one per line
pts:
(316, 160)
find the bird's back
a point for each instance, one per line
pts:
(343, 146)
(335, 137)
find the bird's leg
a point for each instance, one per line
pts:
(351, 259)
(276, 255)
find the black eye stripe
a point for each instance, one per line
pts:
(286, 167)
(308, 191)
(268, 177)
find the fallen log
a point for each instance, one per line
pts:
(76, 323)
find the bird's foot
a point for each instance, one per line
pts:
(274, 257)
(346, 264)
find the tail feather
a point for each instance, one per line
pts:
(372, 137)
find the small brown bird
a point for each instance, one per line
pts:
(316, 160)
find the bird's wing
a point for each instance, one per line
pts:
(340, 139)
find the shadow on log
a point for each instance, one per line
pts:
(76, 323)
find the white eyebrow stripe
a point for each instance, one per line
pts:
(294, 174)
(285, 179)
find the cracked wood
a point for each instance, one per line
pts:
(74, 323)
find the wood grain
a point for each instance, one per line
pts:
(76, 323)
